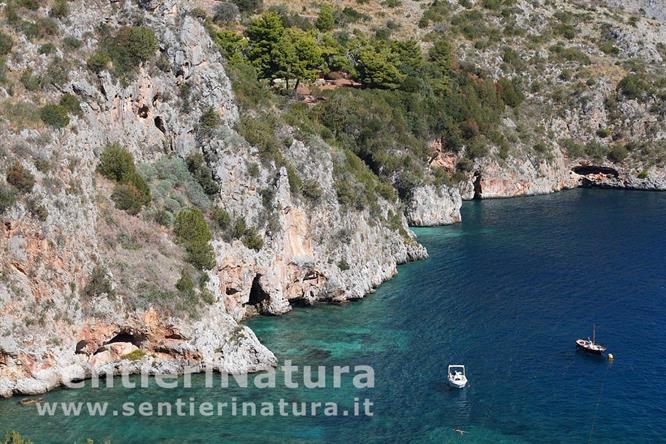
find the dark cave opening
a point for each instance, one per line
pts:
(257, 294)
(477, 185)
(125, 336)
(143, 111)
(584, 170)
(159, 123)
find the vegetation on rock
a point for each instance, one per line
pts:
(193, 232)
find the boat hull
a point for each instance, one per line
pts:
(457, 384)
(593, 351)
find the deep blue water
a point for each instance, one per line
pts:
(506, 293)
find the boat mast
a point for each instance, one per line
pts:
(594, 333)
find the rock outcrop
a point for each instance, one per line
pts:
(431, 205)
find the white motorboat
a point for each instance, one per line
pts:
(457, 377)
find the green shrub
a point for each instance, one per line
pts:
(164, 218)
(633, 86)
(642, 175)
(20, 178)
(249, 5)
(185, 284)
(226, 12)
(6, 43)
(343, 265)
(128, 198)
(57, 73)
(38, 210)
(477, 149)
(116, 163)
(510, 92)
(71, 103)
(200, 255)
(3, 70)
(208, 297)
(132, 191)
(30, 81)
(193, 232)
(295, 181)
(604, 132)
(135, 355)
(47, 49)
(54, 115)
(253, 169)
(239, 228)
(221, 217)
(60, 9)
(209, 121)
(127, 49)
(7, 197)
(325, 21)
(260, 132)
(203, 175)
(595, 150)
(199, 13)
(98, 283)
(98, 62)
(71, 43)
(29, 29)
(609, 48)
(133, 46)
(573, 149)
(311, 189)
(48, 27)
(570, 54)
(541, 148)
(618, 153)
(251, 239)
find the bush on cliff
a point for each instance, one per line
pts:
(200, 171)
(20, 178)
(618, 153)
(54, 115)
(6, 43)
(98, 283)
(132, 191)
(71, 103)
(209, 121)
(633, 86)
(7, 197)
(127, 49)
(60, 9)
(251, 239)
(128, 198)
(193, 232)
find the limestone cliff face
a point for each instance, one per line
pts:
(51, 330)
(431, 205)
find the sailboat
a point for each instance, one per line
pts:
(590, 345)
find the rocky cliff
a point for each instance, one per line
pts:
(65, 236)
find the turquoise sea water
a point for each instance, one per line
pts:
(506, 293)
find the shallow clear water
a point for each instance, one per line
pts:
(506, 293)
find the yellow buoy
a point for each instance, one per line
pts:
(610, 356)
